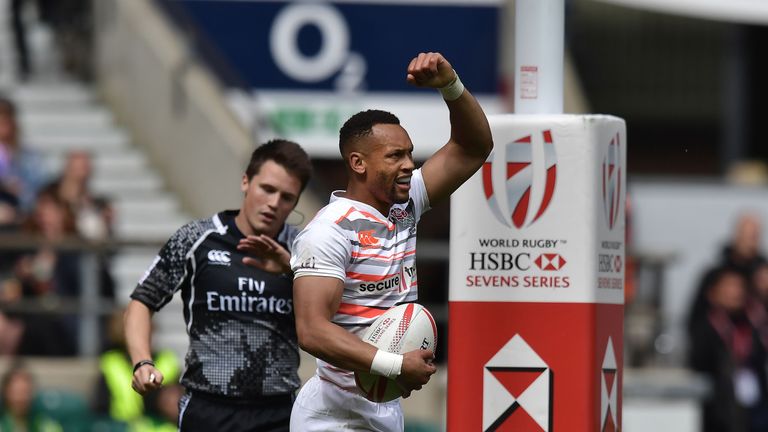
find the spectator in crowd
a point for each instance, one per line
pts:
(726, 347)
(72, 25)
(22, 172)
(48, 270)
(113, 397)
(760, 283)
(18, 391)
(757, 305)
(741, 254)
(11, 331)
(24, 64)
(44, 274)
(92, 214)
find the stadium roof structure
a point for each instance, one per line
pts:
(735, 11)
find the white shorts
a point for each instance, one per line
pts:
(322, 406)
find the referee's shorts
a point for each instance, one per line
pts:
(204, 412)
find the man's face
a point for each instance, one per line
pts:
(270, 196)
(19, 394)
(729, 293)
(78, 166)
(746, 242)
(390, 164)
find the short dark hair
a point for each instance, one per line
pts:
(361, 124)
(285, 153)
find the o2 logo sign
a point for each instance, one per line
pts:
(518, 179)
(611, 181)
(334, 55)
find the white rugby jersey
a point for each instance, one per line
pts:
(375, 256)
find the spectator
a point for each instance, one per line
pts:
(24, 65)
(93, 215)
(18, 391)
(11, 331)
(760, 283)
(741, 254)
(757, 307)
(47, 270)
(113, 397)
(46, 274)
(726, 347)
(22, 172)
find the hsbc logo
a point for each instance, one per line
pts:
(218, 257)
(517, 390)
(609, 391)
(516, 181)
(550, 262)
(609, 263)
(611, 181)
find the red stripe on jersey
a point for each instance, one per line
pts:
(384, 257)
(344, 216)
(390, 226)
(358, 310)
(369, 277)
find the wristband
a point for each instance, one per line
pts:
(453, 90)
(387, 364)
(142, 363)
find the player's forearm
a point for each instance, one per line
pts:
(138, 328)
(469, 126)
(331, 343)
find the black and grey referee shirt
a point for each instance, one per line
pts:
(239, 319)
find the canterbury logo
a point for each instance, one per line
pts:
(219, 257)
(366, 238)
(518, 180)
(611, 174)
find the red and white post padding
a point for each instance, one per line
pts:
(537, 279)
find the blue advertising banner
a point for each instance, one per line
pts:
(344, 45)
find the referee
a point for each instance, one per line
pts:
(236, 285)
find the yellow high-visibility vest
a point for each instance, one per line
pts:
(125, 404)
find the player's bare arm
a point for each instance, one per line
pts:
(316, 299)
(470, 142)
(138, 328)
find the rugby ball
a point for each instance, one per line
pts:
(400, 329)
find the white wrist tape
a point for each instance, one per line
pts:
(387, 364)
(453, 90)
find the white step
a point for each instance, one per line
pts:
(63, 141)
(69, 120)
(147, 183)
(147, 229)
(51, 96)
(112, 161)
(145, 207)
